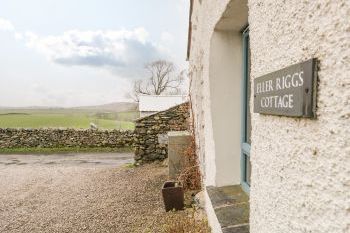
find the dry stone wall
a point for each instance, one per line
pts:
(150, 132)
(12, 138)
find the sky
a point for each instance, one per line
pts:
(84, 52)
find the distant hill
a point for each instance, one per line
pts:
(111, 107)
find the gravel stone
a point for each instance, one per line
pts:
(76, 197)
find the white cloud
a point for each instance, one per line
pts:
(167, 38)
(123, 51)
(18, 36)
(112, 48)
(6, 25)
(182, 6)
(105, 88)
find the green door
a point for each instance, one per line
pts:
(246, 116)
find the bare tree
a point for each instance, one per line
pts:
(163, 79)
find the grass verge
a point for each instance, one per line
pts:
(42, 150)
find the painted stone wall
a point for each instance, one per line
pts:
(11, 138)
(306, 161)
(300, 167)
(150, 132)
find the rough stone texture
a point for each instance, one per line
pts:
(300, 167)
(11, 138)
(305, 173)
(148, 131)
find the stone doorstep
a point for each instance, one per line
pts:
(231, 206)
(236, 229)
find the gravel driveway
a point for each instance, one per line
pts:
(78, 193)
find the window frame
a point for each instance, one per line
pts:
(245, 147)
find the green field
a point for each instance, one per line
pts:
(79, 119)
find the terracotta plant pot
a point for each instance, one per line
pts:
(173, 196)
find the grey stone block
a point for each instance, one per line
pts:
(178, 142)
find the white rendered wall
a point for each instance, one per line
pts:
(212, 219)
(157, 103)
(225, 75)
(144, 114)
(300, 167)
(208, 14)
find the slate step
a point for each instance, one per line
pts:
(239, 229)
(231, 215)
(231, 206)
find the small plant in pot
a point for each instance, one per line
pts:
(173, 195)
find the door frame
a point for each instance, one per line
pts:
(245, 147)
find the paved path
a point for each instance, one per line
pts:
(69, 159)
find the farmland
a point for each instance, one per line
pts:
(78, 118)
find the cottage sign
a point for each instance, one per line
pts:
(288, 92)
